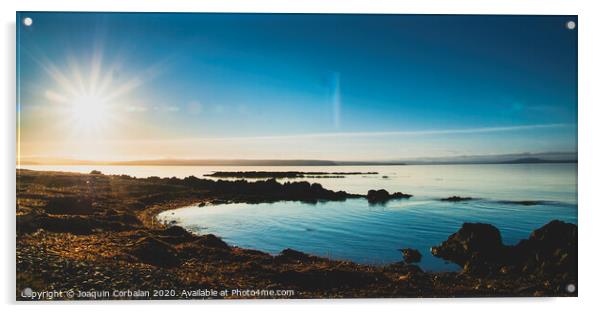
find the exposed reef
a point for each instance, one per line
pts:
(382, 196)
(266, 190)
(457, 199)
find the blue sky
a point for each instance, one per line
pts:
(298, 85)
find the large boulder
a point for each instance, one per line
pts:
(382, 196)
(477, 247)
(551, 249)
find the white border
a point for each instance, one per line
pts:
(589, 27)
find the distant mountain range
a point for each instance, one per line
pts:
(207, 162)
(518, 158)
(523, 158)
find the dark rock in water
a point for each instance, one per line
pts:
(378, 195)
(475, 246)
(550, 251)
(382, 196)
(456, 199)
(268, 190)
(155, 252)
(472, 238)
(212, 241)
(411, 255)
(400, 195)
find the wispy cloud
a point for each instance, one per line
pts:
(478, 130)
(402, 132)
(311, 145)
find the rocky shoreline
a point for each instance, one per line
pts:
(94, 232)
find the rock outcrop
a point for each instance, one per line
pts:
(382, 196)
(212, 241)
(456, 199)
(550, 250)
(266, 190)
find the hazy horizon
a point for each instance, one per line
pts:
(133, 86)
(459, 159)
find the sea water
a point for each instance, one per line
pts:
(372, 234)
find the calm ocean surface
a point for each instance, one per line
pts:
(354, 230)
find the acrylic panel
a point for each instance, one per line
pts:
(243, 156)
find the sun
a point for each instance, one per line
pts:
(88, 114)
(90, 96)
(85, 121)
(86, 99)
